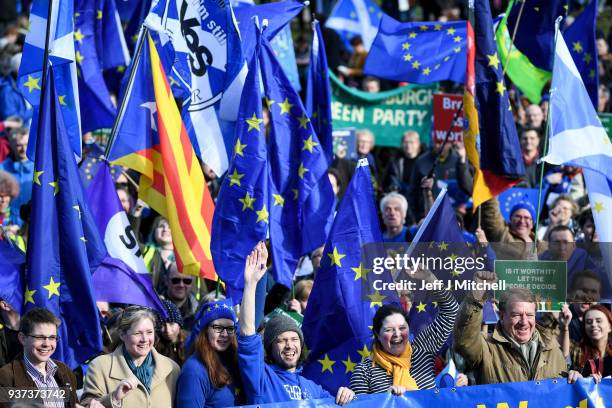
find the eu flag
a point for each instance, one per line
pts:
(581, 38)
(12, 260)
(110, 42)
(97, 110)
(64, 247)
(337, 318)
(418, 52)
(318, 93)
(241, 219)
(302, 200)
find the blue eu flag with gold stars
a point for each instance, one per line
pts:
(301, 198)
(580, 39)
(337, 319)
(418, 52)
(64, 247)
(241, 218)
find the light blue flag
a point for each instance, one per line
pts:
(577, 137)
(355, 17)
(599, 187)
(62, 57)
(282, 44)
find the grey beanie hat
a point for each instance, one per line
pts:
(278, 325)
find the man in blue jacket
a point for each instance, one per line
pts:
(278, 379)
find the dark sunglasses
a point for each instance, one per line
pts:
(186, 281)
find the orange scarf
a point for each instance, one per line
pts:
(398, 366)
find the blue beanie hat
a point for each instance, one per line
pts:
(220, 309)
(525, 205)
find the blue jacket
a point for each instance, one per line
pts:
(11, 101)
(194, 389)
(265, 383)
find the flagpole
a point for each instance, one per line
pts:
(121, 112)
(518, 19)
(546, 136)
(45, 66)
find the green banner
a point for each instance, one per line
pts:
(547, 279)
(387, 114)
(606, 121)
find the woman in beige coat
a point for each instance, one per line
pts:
(135, 374)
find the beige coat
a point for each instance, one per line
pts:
(107, 371)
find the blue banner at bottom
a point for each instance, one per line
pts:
(548, 393)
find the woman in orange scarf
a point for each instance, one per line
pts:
(396, 364)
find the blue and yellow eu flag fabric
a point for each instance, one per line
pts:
(242, 217)
(110, 41)
(64, 248)
(490, 136)
(302, 200)
(97, 110)
(418, 52)
(580, 37)
(318, 93)
(337, 319)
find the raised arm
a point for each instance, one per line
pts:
(254, 269)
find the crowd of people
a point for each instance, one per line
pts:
(203, 353)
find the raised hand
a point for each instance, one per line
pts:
(255, 264)
(483, 276)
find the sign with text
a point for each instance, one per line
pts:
(445, 108)
(547, 279)
(606, 121)
(387, 114)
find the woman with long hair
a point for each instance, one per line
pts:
(210, 376)
(171, 339)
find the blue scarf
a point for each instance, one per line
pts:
(143, 372)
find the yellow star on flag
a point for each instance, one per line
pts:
(436, 66)
(426, 71)
(254, 123)
(493, 60)
(336, 257)
(309, 144)
(416, 64)
(247, 201)
(457, 50)
(296, 193)
(412, 35)
(405, 46)
(327, 364)
(235, 178)
(78, 36)
(592, 73)
(453, 257)
(437, 27)
(121, 70)
(99, 14)
(279, 200)
(36, 178)
(268, 102)
(32, 83)
(407, 57)
(455, 273)
(304, 121)
(420, 307)
(587, 58)
(446, 58)
(423, 27)
(79, 57)
(442, 246)
(52, 288)
(364, 352)
(376, 299)
(55, 186)
(598, 207)
(239, 148)
(577, 46)
(262, 215)
(62, 100)
(350, 366)
(450, 31)
(28, 296)
(302, 170)
(285, 106)
(501, 88)
(361, 272)
(457, 39)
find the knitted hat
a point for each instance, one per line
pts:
(525, 205)
(220, 309)
(174, 314)
(278, 325)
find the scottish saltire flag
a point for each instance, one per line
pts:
(282, 44)
(351, 18)
(302, 202)
(242, 217)
(124, 277)
(489, 135)
(577, 137)
(418, 52)
(64, 247)
(448, 376)
(207, 62)
(12, 261)
(515, 195)
(581, 39)
(318, 93)
(97, 110)
(152, 140)
(62, 57)
(110, 41)
(337, 319)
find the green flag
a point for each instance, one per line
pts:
(526, 76)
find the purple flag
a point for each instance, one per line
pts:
(123, 276)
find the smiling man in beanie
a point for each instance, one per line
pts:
(278, 378)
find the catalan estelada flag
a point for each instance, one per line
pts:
(490, 136)
(152, 140)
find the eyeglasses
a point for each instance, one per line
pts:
(219, 329)
(41, 339)
(186, 281)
